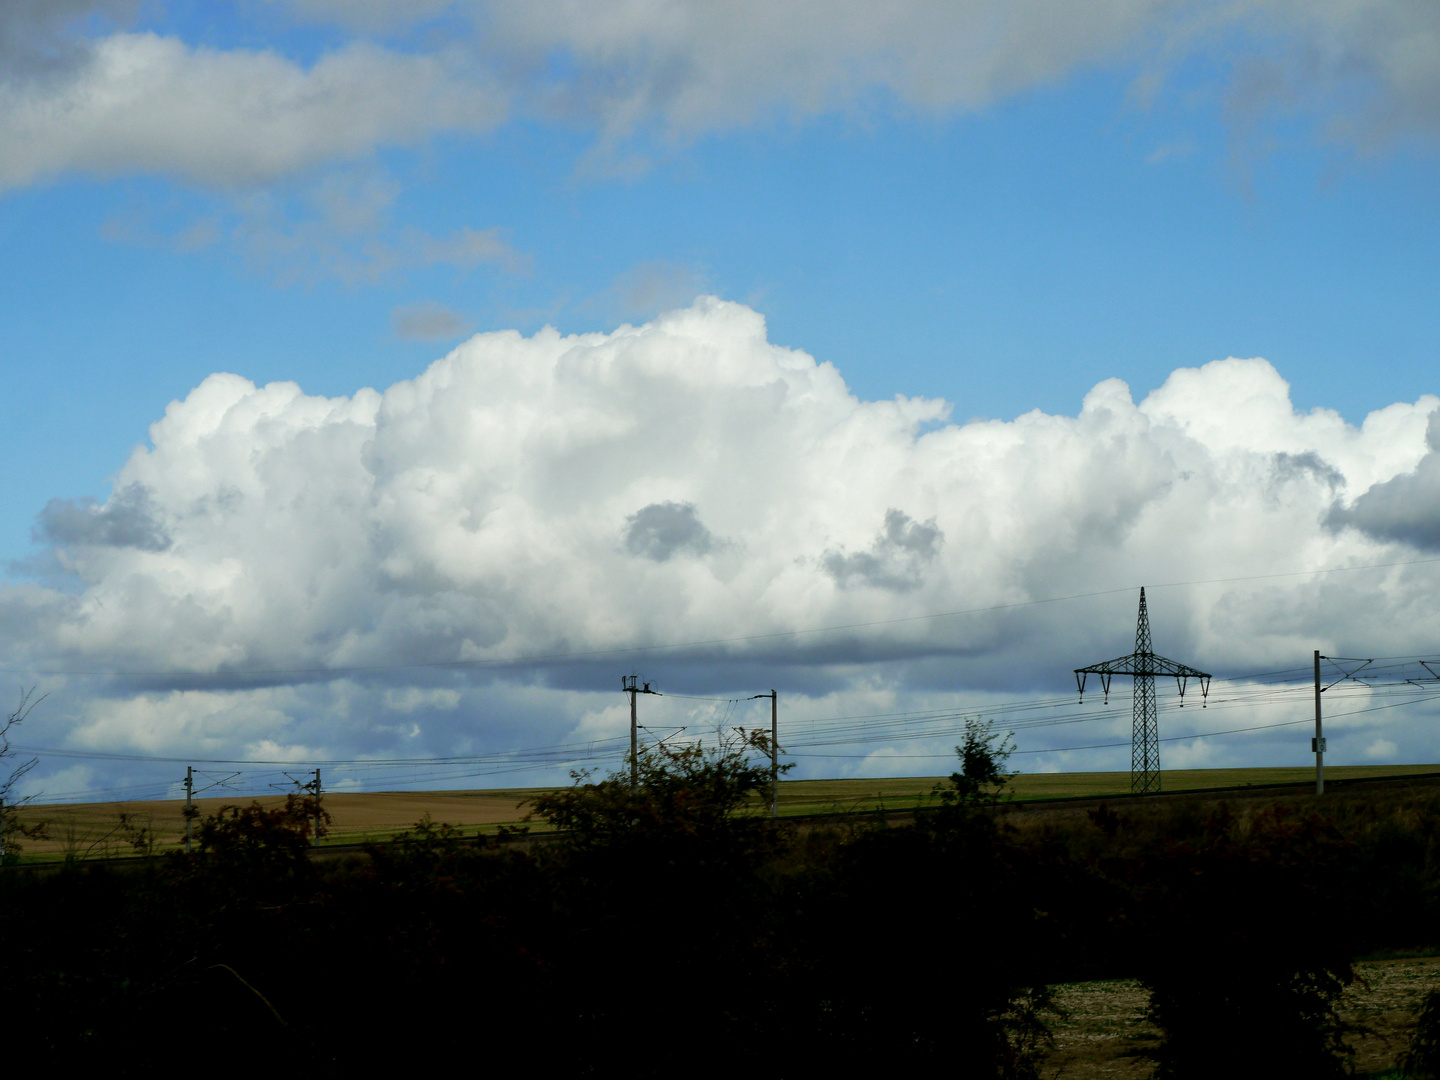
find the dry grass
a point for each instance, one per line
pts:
(1103, 1033)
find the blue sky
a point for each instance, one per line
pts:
(997, 206)
(1006, 261)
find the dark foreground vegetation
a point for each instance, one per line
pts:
(672, 931)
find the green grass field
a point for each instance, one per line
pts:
(839, 796)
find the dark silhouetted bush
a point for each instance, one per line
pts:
(1421, 1059)
(673, 927)
(1247, 948)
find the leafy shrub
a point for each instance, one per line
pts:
(1421, 1059)
(1246, 953)
(981, 778)
(686, 792)
(924, 947)
(667, 887)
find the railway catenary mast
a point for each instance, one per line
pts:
(1144, 665)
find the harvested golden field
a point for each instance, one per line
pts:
(92, 830)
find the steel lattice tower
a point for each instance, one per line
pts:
(1144, 665)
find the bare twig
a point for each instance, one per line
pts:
(8, 806)
(17, 716)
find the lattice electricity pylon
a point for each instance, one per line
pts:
(1144, 665)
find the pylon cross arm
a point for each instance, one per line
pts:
(1121, 665)
(1143, 664)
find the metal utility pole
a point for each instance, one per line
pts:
(189, 803)
(1144, 665)
(774, 750)
(628, 685)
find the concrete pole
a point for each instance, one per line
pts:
(774, 754)
(1319, 743)
(189, 803)
(628, 683)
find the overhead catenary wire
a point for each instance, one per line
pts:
(827, 735)
(1113, 745)
(806, 734)
(874, 725)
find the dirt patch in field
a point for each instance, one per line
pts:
(1383, 1003)
(1103, 1034)
(1101, 1031)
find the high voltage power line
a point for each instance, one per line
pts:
(819, 737)
(804, 736)
(868, 727)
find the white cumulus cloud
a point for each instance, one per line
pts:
(271, 557)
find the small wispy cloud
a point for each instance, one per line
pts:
(341, 228)
(649, 288)
(344, 229)
(1177, 150)
(428, 321)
